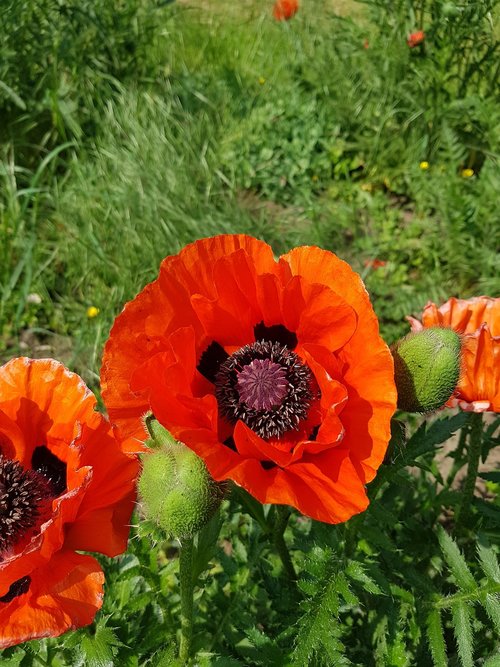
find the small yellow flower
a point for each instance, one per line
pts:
(367, 187)
(314, 177)
(92, 312)
(262, 81)
(424, 165)
(467, 173)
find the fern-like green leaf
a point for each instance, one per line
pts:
(357, 572)
(318, 629)
(463, 633)
(492, 605)
(456, 562)
(489, 561)
(98, 650)
(492, 661)
(435, 636)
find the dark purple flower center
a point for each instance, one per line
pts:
(267, 386)
(24, 495)
(262, 384)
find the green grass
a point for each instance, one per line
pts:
(222, 121)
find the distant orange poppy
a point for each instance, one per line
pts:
(65, 486)
(284, 9)
(374, 263)
(415, 38)
(478, 320)
(273, 372)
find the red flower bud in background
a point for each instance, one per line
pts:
(374, 263)
(284, 9)
(415, 38)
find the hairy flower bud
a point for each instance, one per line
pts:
(176, 489)
(426, 368)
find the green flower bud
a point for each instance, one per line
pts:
(426, 368)
(175, 487)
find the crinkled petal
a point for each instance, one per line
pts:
(63, 595)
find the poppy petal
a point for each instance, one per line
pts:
(64, 595)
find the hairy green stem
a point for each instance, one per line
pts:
(187, 587)
(464, 432)
(282, 514)
(474, 454)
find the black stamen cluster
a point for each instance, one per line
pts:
(280, 419)
(22, 496)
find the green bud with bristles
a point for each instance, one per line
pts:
(426, 368)
(175, 487)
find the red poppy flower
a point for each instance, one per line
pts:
(478, 320)
(284, 9)
(415, 38)
(273, 372)
(65, 486)
(374, 263)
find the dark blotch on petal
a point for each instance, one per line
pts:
(314, 433)
(277, 333)
(52, 468)
(268, 465)
(211, 360)
(229, 442)
(16, 589)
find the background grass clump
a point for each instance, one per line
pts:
(129, 128)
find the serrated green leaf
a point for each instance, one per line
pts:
(357, 572)
(345, 591)
(206, 542)
(492, 661)
(435, 636)
(98, 650)
(456, 562)
(462, 627)
(428, 436)
(492, 605)
(318, 628)
(489, 561)
(166, 658)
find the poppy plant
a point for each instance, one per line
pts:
(284, 10)
(415, 38)
(65, 486)
(273, 372)
(478, 321)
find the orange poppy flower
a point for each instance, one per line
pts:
(415, 38)
(478, 320)
(374, 263)
(284, 9)
(65, 486)
(273, 372)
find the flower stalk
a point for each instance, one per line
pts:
(282, 515)
(474, 453)
(187, 590)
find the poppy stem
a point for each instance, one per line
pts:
(282, 514)
(187, 588)
(474, 454)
